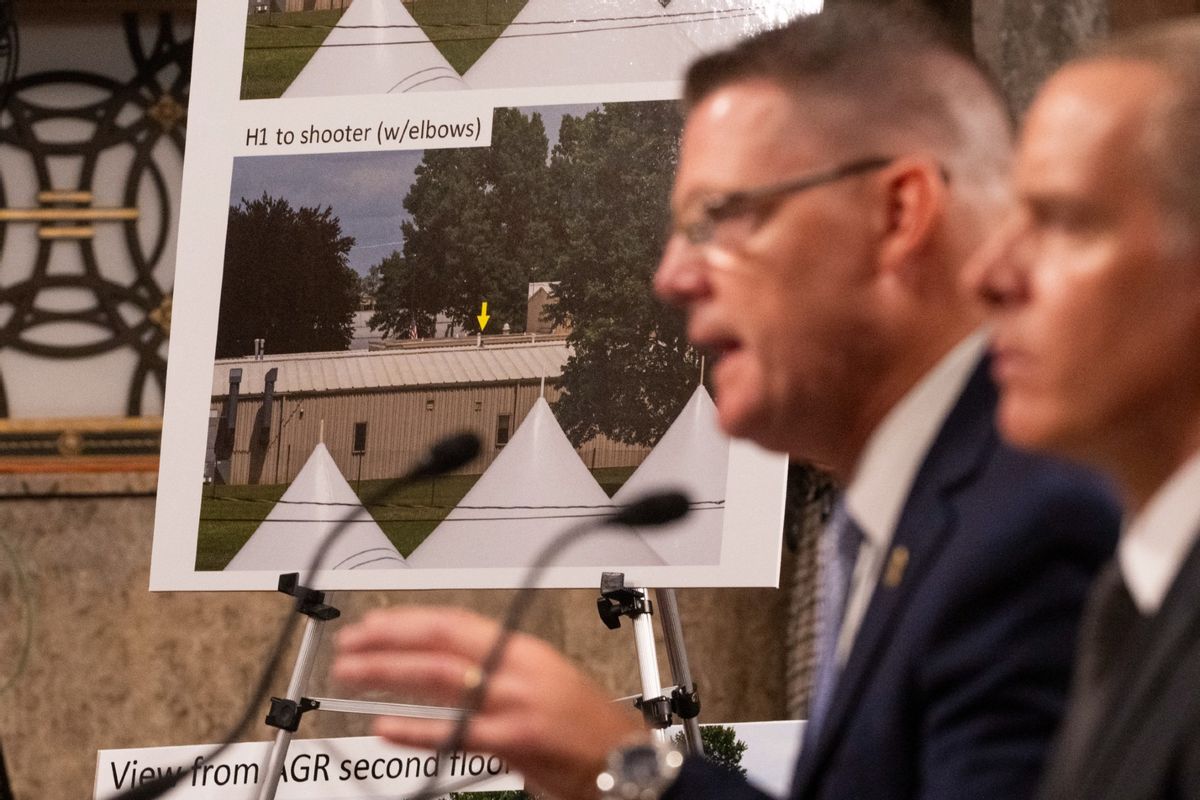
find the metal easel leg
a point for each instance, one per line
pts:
(618, 600)
(656, 708)
(686, 696)
(286, 712)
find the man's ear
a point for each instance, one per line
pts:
(916, 197)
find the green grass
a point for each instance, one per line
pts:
(612, 478)
(463, 29)
(278, 45)
(230, 514)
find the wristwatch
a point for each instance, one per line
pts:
(640, 770)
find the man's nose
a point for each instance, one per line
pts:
(997, 274)
(681, 275)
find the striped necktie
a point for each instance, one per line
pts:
(840, 544)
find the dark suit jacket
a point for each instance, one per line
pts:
(1143, 740)
(958, 676)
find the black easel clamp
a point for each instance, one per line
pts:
(686, 703)
(616, 601)
(309, 602)
(656, 712)
(285, 714)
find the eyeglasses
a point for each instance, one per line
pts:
(719, 209)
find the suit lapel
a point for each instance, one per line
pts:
(924, 526)
(1144, 694)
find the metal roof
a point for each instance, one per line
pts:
(433, 366)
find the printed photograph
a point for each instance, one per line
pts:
(374, 303)
(315, 48)
(348, 306)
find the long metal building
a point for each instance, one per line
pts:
(378, 411)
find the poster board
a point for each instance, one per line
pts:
(398, 240)
(356, 767)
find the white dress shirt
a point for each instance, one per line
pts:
(1157, 540)
(884, 475)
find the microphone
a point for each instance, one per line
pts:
(649, 510)
(445, 455)
(448, 454)
(658, 508)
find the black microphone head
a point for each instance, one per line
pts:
(657, 508)
(448, 454)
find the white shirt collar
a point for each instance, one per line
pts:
(888, 465)
(1158, 539)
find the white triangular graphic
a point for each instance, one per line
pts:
(536, 488)
(693, 457)
(571, 42)
(376, 48)
(316, 503)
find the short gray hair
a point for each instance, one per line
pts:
(1173, 140)
(882, 75)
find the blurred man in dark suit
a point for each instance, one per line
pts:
(834, 176)
(1094, 284)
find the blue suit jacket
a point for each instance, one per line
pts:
(957, 679)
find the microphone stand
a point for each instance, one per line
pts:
(446, 455)
(286, 712)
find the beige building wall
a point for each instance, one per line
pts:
(310, 5)
(401, 426)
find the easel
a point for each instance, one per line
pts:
(616, 600)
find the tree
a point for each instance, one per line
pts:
(402, 304)
(286, 280)
(631, 370)
(721, 746)
(479, 230)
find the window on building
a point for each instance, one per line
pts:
(503, 428)
(360, 437)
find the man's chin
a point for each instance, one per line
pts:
(752, 425)
(1024, 425)
(735, 419)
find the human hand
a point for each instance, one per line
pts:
(540, 712)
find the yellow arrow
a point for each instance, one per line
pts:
(483, 317)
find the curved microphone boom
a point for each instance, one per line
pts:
(654, 509)
(649, 510)
(446, 455)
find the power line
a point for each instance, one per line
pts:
(506, 35)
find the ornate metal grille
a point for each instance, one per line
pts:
(120, 295)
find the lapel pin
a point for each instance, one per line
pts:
(897, 562)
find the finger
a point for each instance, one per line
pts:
(431, 677)
(448, 630)
(505, 737)
(426, 734)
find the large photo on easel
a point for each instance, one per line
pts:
(375, 265)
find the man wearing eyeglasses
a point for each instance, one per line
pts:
(833, 176)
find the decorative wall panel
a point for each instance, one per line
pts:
(91, 144)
